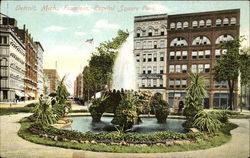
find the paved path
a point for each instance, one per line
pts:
(12, 146)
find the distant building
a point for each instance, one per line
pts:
(53, 79)
(78, 87)
(40, 51)
(46, 85)
(12, 61)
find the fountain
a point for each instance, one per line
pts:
(124, 75)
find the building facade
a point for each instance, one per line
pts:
(190, 44)
(150, 50)
(53, 79)
(40, 51)
(78, 87)
(12, 62)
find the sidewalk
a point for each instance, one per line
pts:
(18, 104)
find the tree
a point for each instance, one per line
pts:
(195, 94)
(227, 68)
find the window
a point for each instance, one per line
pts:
(223, 38)
(218, 22)
(149, 57)
(195, 24)
(202, 23)
(177, 83)
(149, 69)
(155, 57)
(184, 68)
(179, 25)
(224, 84)
(137, 45)
(161, 82)
(172, 26)
(171, 83)
(143, 82)
(225, 21)
(161, 56)
(224, 51)
(138, 34)
(144, 45)
(178, 42)
(161, 69)
(150, 32)
(162, 31)
(201, 40)
(137, 57)
(184, 83)
(194, 68)
(178, 68)
(154, 69)
(207, 68)
(3, 40)
(5, 94)
(233, 21)
(154, 82)
(201, 54)
(209, 22)
(216, 84)
(217, 53)
(172, 55)
(200, 68)
(171, 68)
(207, 83)
(207, 54)
(149, 82)
(178, 55)
(155, 44)
(194, 54)
(184, 55)
(150, 44)
(144, 58)
(185, 24)
(144, 70)
(162, 44)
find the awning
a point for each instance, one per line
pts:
(31, 94)
(19, 93)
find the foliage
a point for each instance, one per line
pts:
(195, 94)
(14, 110)
(61, 92)
(227, 68)
(161, 108)
(244, 67)
(206, 121)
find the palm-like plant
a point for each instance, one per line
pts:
(195, 94)
(205, 121)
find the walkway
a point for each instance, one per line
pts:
(12, 146)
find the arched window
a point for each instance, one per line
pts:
(233, 21)
(185, 24)
(138, 33)
(172, 26)
(178, 42)
(208, 22)
(222, 38)
(202, 23)
(225, 21)
(201, 40)
(162, 31)
(179, 25)
(218, 22)
(150, 32)
(195, 24)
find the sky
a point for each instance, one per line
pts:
(62, 27)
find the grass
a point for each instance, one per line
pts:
(217, 140)
(10, 111)
(78, 111)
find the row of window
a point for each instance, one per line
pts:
(150, 57)
(203, 23)
(150, 69)
(3, 40)
(151, 83)
(151, 32)
(195, 68)
(150, 45)
(200, 40)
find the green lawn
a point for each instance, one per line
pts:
(10, 111)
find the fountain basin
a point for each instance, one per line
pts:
(84, 124)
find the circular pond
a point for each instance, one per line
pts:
(149, 125)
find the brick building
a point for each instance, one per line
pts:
(53, 77)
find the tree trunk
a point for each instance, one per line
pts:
(230, 94)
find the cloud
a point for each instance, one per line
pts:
(104, 24)
(54, 28)
(80, 33)
(155, 8)
(96, 31)
(75, 10)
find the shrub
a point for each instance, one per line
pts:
(206, 121)
(161, 108)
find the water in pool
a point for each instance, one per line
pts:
(149, 125)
